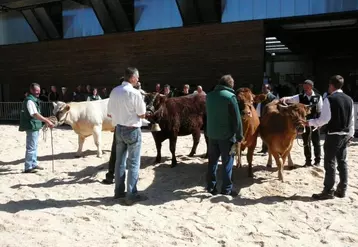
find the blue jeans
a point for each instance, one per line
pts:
(221, 148)
(129, 141)
(32, 138)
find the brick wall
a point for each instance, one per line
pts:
(193, 55)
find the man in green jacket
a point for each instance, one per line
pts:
(224, 129)
(31, 122)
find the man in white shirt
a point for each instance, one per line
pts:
(338, 114)
(31, 122)
(126, 108)
(309, 97)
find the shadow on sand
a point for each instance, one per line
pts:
(170, 184)
(60, 156)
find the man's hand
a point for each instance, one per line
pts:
(283, 100)
(49, 124)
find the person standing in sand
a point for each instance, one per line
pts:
(224, 129)
(31, 122)
(126, 107)
(338, 114)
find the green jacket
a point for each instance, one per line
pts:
(28, 122)
(223, 115)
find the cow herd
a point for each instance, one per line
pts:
(180, 116)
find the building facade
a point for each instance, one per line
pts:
(171, 41)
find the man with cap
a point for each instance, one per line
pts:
(314, 100)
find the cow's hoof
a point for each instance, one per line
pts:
(174, 164)
(191, 155)
(269, 165)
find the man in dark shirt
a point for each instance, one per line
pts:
(314, 100)
(338, 114)
(53, 96)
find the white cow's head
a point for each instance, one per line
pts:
(60, 110)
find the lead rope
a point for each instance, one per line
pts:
(309, 138)
(45, 128)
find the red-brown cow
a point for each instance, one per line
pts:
(178, 116)
(250, 124)
(279, 127)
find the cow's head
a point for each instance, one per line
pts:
(153, 101)
(60, 110)
(246, 101)
(297, 113)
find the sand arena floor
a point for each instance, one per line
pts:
(70, 207)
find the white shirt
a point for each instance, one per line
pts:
(125, 104)
(326, 117)
(296, 99)
(31, 107)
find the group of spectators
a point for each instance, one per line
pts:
(88, 94)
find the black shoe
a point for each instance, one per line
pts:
(317, 163)
(30, 171)
(107, 181)
(135, 199)
(38, 168)
(120, 195)
(339, 193)
(232, 193)
(213, 191)
(324, 195)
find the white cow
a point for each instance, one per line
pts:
(86, 118)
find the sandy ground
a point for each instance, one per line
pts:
(70, 207)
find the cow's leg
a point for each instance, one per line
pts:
(172, 145)
(269, 161)
(238, 155)
(81, 140)
(158, 145)
(206, 155)
(279, 165)
(196, 139)
(97, 131)
(249, 156)
(290, 162)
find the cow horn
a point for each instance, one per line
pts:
(155, 128)
(283, 106)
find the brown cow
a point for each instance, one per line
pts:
(178, 116)
(250, 123)
(279, 127)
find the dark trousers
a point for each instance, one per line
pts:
(112, 159)
(312, 138)
(221, 148)
(335, 148)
